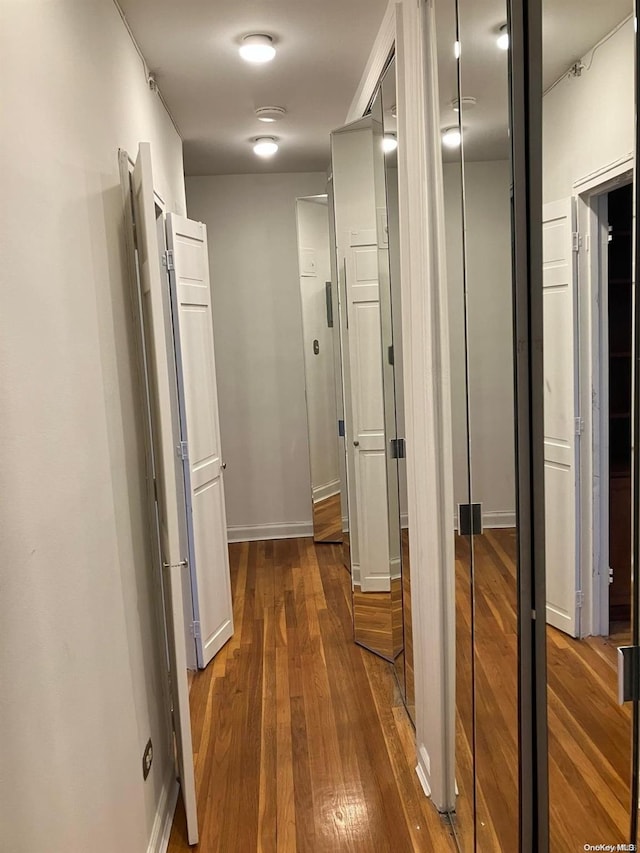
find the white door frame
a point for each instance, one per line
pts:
(427, 382)
(591, 192)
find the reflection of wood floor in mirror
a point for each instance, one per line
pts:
(378, 626)
(327, 520)
(301, 740)
(589, 734)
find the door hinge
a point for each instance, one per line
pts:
(579, 426)
(169, 259)
(397, 448)
(575, 241)
(390, 355)
(195, 630)
(628, 673)
(182, 450)
(155, 490)
(579, 598)
(610, 575)
(341, 428)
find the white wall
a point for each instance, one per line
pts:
(251, 222)
(81, 662)
(588, 121)
(313, 235)
(490, 339)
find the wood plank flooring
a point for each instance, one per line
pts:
(589, 734)
(301, 740)
(327, 519)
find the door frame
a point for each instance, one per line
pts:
(591, 192)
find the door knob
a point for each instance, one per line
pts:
(356, 444)
(224, 466)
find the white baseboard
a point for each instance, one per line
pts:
(257, 532)
(423, 768)
(499, 519)
(355, 575)
(321, 493)
(163, 822)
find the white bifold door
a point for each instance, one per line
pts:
(188, 266)
(561, 415)
(172, 527)
(367, 412)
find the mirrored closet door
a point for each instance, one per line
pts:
(589, 417)
(588, 293)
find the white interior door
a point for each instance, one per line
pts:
(561, 423)
(365, 364)
(170, 508)
(188, 265)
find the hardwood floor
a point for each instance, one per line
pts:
(377, 619)
(327, 519)
(301, 739)
(589, 734)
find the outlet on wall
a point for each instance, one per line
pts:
(147, 758)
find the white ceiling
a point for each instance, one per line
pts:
(192, 48)
(570, 29)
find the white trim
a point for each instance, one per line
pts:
(423, 771)
(593, 392)
(161, 830)
(499, 520)
(321, 493)
(382, 47)
(427, 393)
(280, 530)
(595, 180)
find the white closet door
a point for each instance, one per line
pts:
(560, 415)
(188, 264)
(365, 363)
(171, 516)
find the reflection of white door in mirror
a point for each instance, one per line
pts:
(560, 415)
(368, 436)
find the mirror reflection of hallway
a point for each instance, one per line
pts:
(323, 390)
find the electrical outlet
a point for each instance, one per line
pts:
(147, 758)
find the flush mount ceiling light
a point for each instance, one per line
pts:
(503, 38)
(468, 103)
(265, 146)
(257, 47)
(389, 143)
(451, 137)
(270, 114)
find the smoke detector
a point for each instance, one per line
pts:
(270, 113)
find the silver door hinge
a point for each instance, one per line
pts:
(397, 448)
(195, 630)
(182, 450)
(579, 598)
(181, 565)
(575, 241)
(628, 673)
(169, 259)
(579, 426)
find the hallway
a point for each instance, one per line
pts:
(301, 741)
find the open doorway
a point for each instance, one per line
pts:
(617, 306)
(605, 223)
